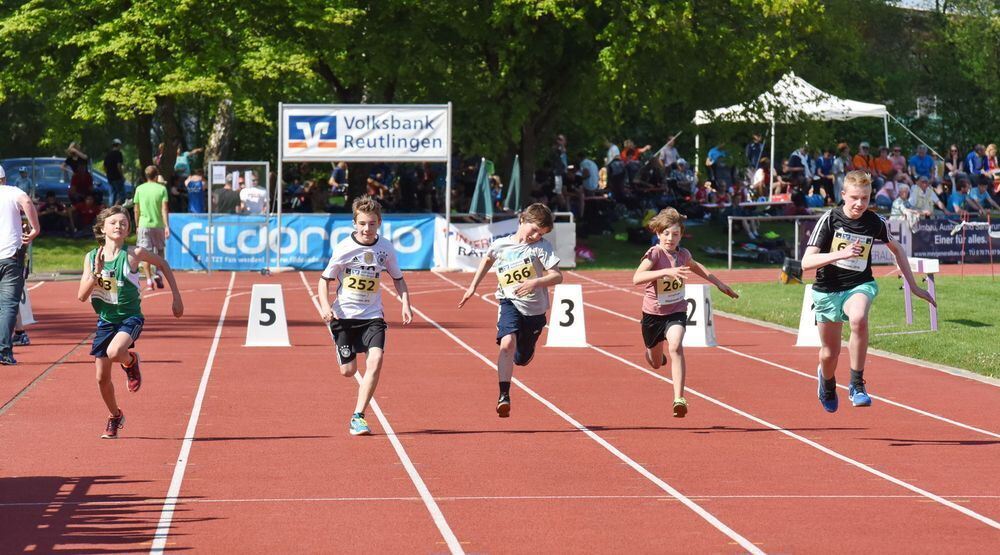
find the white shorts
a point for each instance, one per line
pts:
(152, 239)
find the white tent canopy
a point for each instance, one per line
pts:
(793, 99)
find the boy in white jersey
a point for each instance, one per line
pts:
(525, 266)
(355, 318)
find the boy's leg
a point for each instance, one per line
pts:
(505, 359)
(829, 351)
(655, 356)
(373, 367)
(118, 351)
(675, 339)
(856, 308)
(104, 383)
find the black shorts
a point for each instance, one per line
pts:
(106, 331)
(527, 330)
(654, 327)
(357, 336)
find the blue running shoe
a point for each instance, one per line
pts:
(20, 338)
(359, 427)
(827, 397)
(859, 397)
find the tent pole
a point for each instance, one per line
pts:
(885, 124)
(769, 188)
(697, 155)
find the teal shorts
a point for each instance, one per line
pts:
(829, 307)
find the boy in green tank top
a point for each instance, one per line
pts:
(111, 282)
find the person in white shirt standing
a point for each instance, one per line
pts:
(13, 245)
(253, 198)
(356, 316)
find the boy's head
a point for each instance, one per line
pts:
(535, 221)
(668, 225)
(367, 217)
(856, 193)
(152, 173)
(111, 222)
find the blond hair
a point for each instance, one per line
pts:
(368, 205)
(537, 214)
(668, 217)
(857, 178)
(104, 215)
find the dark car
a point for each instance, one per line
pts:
(50, 177)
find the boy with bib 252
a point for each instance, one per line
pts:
(663, 270)
(526, 266)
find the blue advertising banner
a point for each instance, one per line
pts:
(943, 239)
(307, 240)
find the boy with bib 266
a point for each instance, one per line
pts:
(840, 250)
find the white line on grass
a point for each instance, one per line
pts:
(970, 513)
(170, 503)
(812, 376)
(449, 536)
(696, 508)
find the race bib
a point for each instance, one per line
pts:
(106, 288)
(842, 240)
(360, 286)
(669, 291)
(513, 274)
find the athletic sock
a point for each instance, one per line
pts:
(830, 384)
(857, 377)
(358, 415)
(505, 388)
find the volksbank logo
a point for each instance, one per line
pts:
(312, 131)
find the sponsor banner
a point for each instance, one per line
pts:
(365, 132)
(934, 239)
(307, 240)
(468, 242)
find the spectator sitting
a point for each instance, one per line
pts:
(86, 212)
(888, 192)
(53, 215)
(338, 178)
(899, 164)
(921, 164)
(590, 175)
(253, 198)
(823, 175)
(863, 159)
(684, 178)
(705, 194)
(758, 182)
(81, 184)
(196, 192)
(881, 167)
(22, 181)
(956, 201)
(901, 207)
(993, 169)
(979, 199)
(924, 199)
(953, 165)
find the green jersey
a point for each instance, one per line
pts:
(116, 296)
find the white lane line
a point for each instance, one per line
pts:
(696, 508)
(141, 502)
(170, 503)
(35, 286)
(813, 377)
(985, 520)
(425, 494)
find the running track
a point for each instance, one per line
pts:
(245, 450)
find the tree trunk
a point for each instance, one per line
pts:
(221, 138)
(357, 180)
(529, 143)
(143, 132)
(171, 135)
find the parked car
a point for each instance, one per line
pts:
(49, 176)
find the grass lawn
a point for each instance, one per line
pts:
(968, 335)
(61, 254)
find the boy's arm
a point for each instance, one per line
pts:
(144, 255)
(903, 263)
(404, 296)
(87, 281)
(165, 212)
(643, 274)
(323, 290)
(703, 272)
(813, 259)
(135, 210)
(484, 267)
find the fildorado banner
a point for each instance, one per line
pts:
(934, 239)
(307, 240)
(468, 243)
(365, 132)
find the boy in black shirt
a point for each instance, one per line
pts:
(840, 251)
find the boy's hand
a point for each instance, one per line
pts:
(680, 272)
(526, 288)
(178, 307)
(923, 294)
(327, 315)
(853, 250)
(729, 291)
(407, 314)
(468, 295)
(99, 261)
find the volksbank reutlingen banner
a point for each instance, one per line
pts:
(307, 240)
(365, 132)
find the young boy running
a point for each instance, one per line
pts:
(840, 251)
(526, 266)
(355, 318)
(664, 269)
(111, 281)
